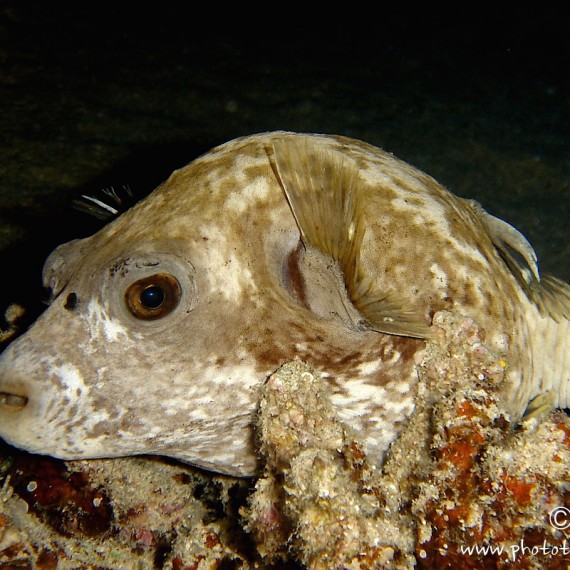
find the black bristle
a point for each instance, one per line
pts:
(106, 204)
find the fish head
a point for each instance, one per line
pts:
(146, 346)
(163, 326)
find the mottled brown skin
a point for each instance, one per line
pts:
(97, 381)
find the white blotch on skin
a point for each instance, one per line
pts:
(227, 274)
(197, 414)
(70, 377)
(386, 436)
(256, 190)
(432, 213)
(369, 368)
(358, 396)
(401, 387)
(243, 376)
(439, 275)
(402, 407)
(100, 322)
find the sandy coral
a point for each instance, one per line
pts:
(319, 483)
(143, 514)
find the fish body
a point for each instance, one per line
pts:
(164, 325)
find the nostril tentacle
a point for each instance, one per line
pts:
(12, 401)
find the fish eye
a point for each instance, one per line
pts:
(153, 297)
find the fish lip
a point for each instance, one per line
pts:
(12, 401)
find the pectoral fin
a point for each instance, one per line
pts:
(325, 193)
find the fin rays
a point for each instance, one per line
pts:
(551, 295)
(515, 249)
(553, 298)
(325, 193)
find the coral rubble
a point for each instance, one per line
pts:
(12, 315)
(130, 513)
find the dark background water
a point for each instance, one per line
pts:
(95, 95)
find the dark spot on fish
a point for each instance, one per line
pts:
(273, 355)
(118, 269)
(72, 411)
(407, 347)
(71, 302)
(468, 295)
(354, 357)
(100, 428)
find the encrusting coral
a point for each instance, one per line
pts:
(462, 487)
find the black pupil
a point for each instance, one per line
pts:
(152, 297)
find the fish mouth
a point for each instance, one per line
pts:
(12, 401)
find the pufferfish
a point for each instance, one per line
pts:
(164, 325)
